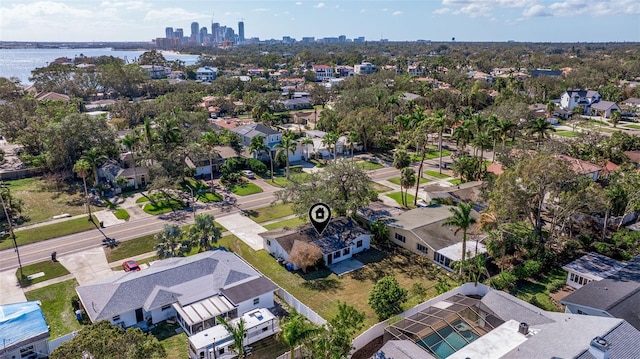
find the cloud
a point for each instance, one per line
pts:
(536, 11)
(298, 3)
(172, 14)
(319, 5)
(444, 10)
(396, 13)
(475, 9)
(384, 10)
(126, 5)
(260, 10)
(363, 10)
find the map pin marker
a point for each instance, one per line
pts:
(319, 214)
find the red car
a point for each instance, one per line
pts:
(130, 266)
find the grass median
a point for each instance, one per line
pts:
(50, 269)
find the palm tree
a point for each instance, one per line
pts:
(331, 141)
(352, 139)
(204, 231)
(288, 144)
(407, 180)
(82, 168)
(170, 238)
(131, 141)
(463, 135)
(401, 160)
(306, 141)
(95, 158)
(614, 118)
(461, 218)
(505, 128)
(295, 330)
(148, 134)
(257, 146)
(237, 332)
(209, 140)
(540, 127)
(439, 123)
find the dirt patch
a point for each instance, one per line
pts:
(558, 295)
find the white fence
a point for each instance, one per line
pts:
(53, 344)
(313, 317)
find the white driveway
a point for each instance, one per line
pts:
(87, 266)
(10, 291)
(244, 228)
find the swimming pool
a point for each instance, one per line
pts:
(453, 341)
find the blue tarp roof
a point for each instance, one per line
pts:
(21, 321)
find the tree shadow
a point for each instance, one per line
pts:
(323, 284)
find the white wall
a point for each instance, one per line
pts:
(265, 301)
(128, 318)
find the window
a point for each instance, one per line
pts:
(265, 329)
(166, 307)
(268, 242)
(400, 237)
(256, 301)
(346, 251)
(116, 318)
(359, 243)
(422, 248)
(336, 255)
(443, 260)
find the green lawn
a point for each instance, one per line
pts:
(49, 231)
(56, 306)
(430, 155)
(635, 127)
(34, 192)
(291, 222)
(131, 248)
(396, 180)
(379, 188)
(176, 345)
(302, 177)
(271, 212)
(121, 213)
(539, 288)
(322, 290)
(368, 165)
(208, 197)
(567, 133)
(396, 196)
(246, 189)
(163, 206)
(455, 181)
(49, 268)
(436, 174)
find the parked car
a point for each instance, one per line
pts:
(130, 266)
(249, 174)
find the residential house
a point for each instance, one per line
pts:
(408, 96)
(364, 68)
(590, 267)
(295, 104)
(111, 170)
(475, 321)
(479, 75)
(345, 71)
(247, 132)
(201, 165)
(323, 72)
(633, 156)
(545, 72)
(581, 167)
(415, 70)
(616, 296)
(156, 71)
(604, 108)
(342, 238)
(421, 231)
(194, 290)
(218, 342)
(206, 73)
(584, 98)
(632, 102)
(321, 148)
(23, 331)
(52, 96)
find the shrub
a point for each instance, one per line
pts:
(256, 166)
(295, 169)
(528, 269)
(504, 280)
(75, 303)
(556, 285)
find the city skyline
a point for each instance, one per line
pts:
(441, 20)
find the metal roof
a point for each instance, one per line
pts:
(21, 323)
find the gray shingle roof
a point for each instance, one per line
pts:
(624, 341)
(618, 294)
(594, 265)
(259, 129)
(184, 280)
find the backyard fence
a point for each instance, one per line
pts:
(314, 317)
(21, 173)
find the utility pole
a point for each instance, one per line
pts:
(13, 236)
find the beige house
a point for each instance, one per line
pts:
(421, 231)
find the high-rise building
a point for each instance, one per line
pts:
(241, 32)
(178, 34)
(215, 33)
(229, 34)
(204, 36)
(195, 32)
(168, 32)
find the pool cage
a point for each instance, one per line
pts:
(447, 326)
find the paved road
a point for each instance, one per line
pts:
(41, 251)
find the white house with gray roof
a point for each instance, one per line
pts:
(194, 290)
(590, 267)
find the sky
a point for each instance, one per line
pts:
(398, 20)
